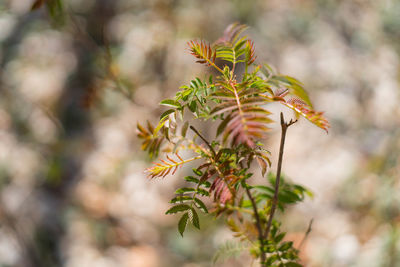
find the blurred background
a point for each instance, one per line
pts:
(76, 76)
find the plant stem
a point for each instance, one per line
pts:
(202, 138)
(258, 224)
(306, 234)
(212, 160)
(284, 127)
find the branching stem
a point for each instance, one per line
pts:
(284, 127)
(212, 159)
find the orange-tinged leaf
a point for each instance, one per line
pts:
(315, 117)
(165, 167)
(202, 51)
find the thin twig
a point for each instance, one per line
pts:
(105, 52)
(213, 161)
(284, 127)
(306, 234)
(205, 140)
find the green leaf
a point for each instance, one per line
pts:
(271, 260)
(260, 197)
(206, 184)
(184, 190)
(201, 205)
(285, 246)
(178, 208)
(195, 218)
(193, 106)
(291, 254)
(270, 248)
(182, 223)
(194, 84)
(246, 203)
(197, 172)
(264, 188)
(166, 113)
(160, 125)
(192, 179)
(170, 103)
(199, 82)
(181, 199)
(202, 192)
(184, 93)
(239, 44)
(279, 237)
(267, 70)
(303, 190)
(287, 196)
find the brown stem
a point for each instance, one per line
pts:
(284, 127)
(258, 225)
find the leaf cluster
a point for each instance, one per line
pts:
(236, 106)
(187, 200)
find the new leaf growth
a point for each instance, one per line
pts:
(237, 106)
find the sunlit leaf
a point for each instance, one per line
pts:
(170, 103)
(178, 208)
